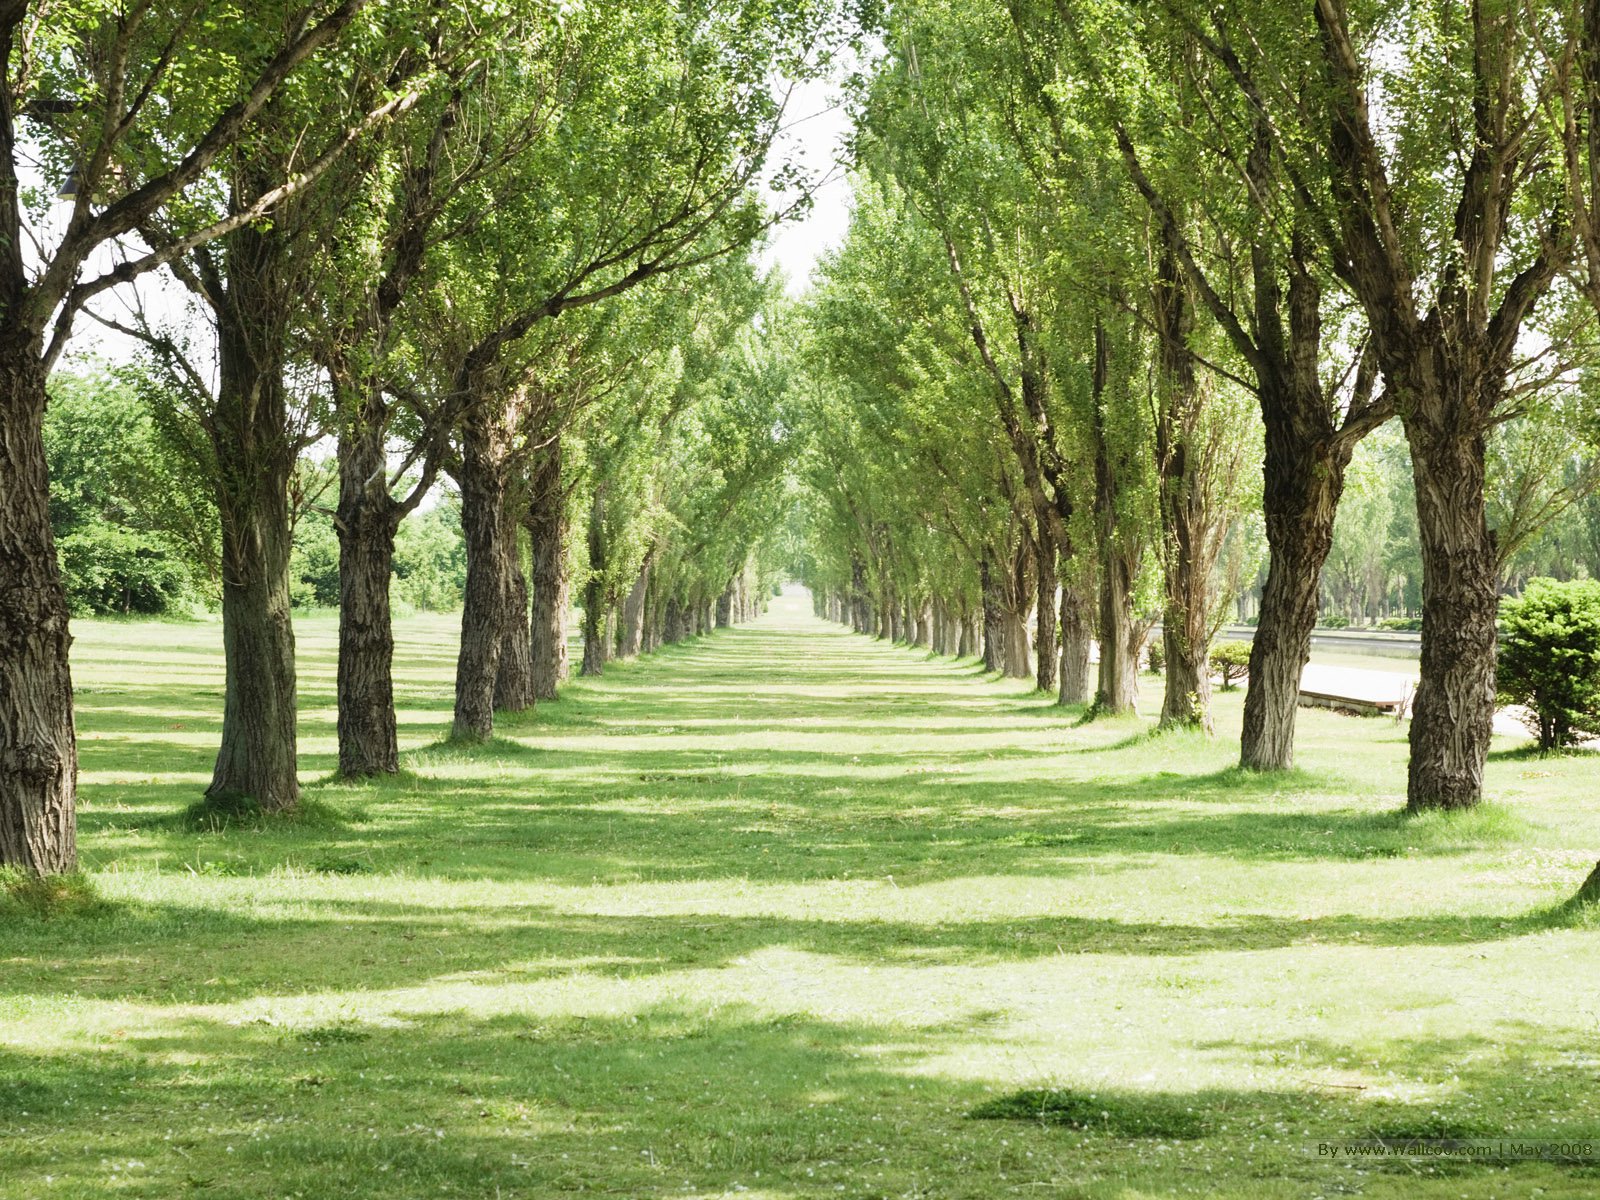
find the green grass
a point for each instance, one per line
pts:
(785, 912)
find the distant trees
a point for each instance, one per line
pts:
(1348, 214)
(375, 257)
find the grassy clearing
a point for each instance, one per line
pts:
(785, 913)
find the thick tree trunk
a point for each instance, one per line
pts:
(969, 637)
(513, 678)
(368, 520)
(1302, 484)
(1452, 713)
(38, 750)
(255, 456)
(1117, 689)
(1075, 639)
(546, 522)
(484, 521)
(1044, 632)
(1017, 665)
(724, 614)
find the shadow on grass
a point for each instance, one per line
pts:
(663, 1097)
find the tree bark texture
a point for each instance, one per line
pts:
(38, 749)
(1452, 713)
(1303, 479)
(1076, 623)
(255, 457)
(485, 525)
(993, 623)
(1044, 633)
(546, 523)
(368, 521)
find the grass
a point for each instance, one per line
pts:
(785, 912)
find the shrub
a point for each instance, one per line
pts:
(1550, 659)
(1231, 660)
(1334, 622)
(1401, 624)
(1156, 655)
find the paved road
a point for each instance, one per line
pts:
(1388, 645)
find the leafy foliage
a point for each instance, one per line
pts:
(1550, 659)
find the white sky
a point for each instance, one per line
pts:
(818, 127)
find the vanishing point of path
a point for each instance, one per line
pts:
(785, 912)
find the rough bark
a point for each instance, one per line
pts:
(546, 522)
(1117, 682)
(1303, 479)
(1453, 711)
(1044, 633)
(724, 614)
(38, 750)
(631, 638)
(255, 457)
(368, 520)
(482, 478)
(594, 595)
(513, 677)
(1075, 639)
(993, 622)
(1189, 535)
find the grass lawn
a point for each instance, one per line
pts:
(788, 912)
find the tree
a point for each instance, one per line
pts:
(134, 113)
(1550, 660)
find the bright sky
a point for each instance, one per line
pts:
(817, 130)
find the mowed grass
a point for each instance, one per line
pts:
(787, 912)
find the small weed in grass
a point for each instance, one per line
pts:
(1120, 1116)
(337, 1034)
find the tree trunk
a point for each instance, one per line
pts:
(38, 749)
(969, 636)
(633, 612)
(1117, 690)
(594, 596)
(1189, 536)
(993, 622)
(1302, 484)
(1017, 665)
(255, 455)
(1075, 625)
(513, 678)
(546, 522)
(1452, 713)
(724, 613)
(1044, 633)
(368, 521)
(484, 518)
